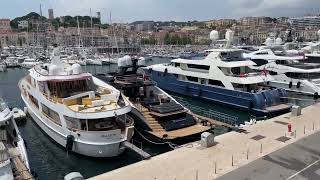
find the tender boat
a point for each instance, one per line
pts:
(78, 111)
(157, 114)
(312, 52)
(14, 162)
(292, 73)
(225, 77)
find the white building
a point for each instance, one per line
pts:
(23, 24)
(305, 22)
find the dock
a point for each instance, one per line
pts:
(230, 152)
(140, 151)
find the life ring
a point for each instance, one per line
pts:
(290, 84)
(298, 84)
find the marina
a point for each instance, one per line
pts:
(86, 95)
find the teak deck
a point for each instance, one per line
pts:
(184, 132)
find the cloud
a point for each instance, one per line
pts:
(275, 7)
(184, 10)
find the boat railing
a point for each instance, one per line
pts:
(212, 114)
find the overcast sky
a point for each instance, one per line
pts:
(178, 10)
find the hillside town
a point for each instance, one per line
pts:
(34, 29)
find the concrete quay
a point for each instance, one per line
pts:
(232, 151)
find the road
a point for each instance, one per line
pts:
(298, 161)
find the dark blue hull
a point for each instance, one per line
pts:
(256, 103)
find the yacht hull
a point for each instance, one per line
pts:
(306, 87)
(253, 102)
(86, 149)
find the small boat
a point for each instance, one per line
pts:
(14, 163)
(29, 63)
(18, 114)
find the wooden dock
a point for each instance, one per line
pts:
(22, 171)
(133, 147)
(231, 151)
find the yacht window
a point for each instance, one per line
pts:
(73, 123)
(215, 83)
(272, 73)
(201, 67)
(67, 88)
(34, 101)
(232, 56)
(194, 79)
(260, 62)
(262, 53)
(303, 76)
(281, 62)
(177, 64)
(51, 114)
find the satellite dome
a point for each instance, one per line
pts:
(141, 61)
(128, 60)
(229, 35)
(278, 41)
(53, 70)
(76, 69)
(214, 35)
(121, 62)
(269, 41)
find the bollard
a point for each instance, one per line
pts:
(260, 148)
(197, 175)
(295, 133)
(289, 128)
(215, 167)
(313, 126)
(232, 160)
(304, 129)
(247, 154)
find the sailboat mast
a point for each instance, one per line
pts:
(79, 31)
(114, 35)
(91, 30)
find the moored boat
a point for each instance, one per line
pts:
(77, 110)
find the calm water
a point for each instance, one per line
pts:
(50, 161)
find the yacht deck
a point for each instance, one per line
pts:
(88, 109)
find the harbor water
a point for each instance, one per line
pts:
(51, 161)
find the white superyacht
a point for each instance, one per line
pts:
(292, 73)
(78, 111)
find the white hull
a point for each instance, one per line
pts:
(94, 62)
(306, 87)
(92, 150)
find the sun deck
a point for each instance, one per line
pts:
(89, 109)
